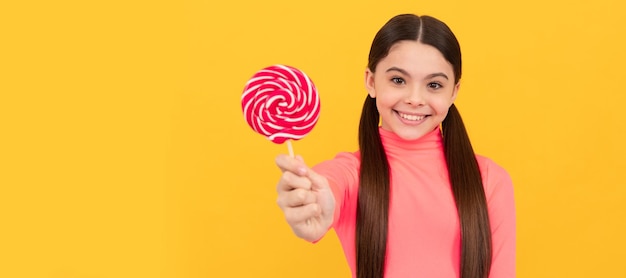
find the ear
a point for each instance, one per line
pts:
(369, 83)
(455, 92)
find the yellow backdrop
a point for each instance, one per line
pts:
(125, 153)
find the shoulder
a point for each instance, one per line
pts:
(490, 167)
(495, 177)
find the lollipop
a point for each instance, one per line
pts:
(281, 103)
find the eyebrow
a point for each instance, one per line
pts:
(432, 75)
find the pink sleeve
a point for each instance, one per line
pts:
(343, 175)
(501, 205)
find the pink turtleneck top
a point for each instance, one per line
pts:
(424, 232)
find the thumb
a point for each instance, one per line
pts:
(299, 158)
(317, 181)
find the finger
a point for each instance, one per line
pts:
(299, 215)
(287, 163)
(298, 197)
(290, 181)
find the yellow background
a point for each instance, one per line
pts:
(125, 153)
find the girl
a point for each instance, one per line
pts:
(414, 201)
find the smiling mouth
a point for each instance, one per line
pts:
(409, 117)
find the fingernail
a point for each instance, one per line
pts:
(302, 170)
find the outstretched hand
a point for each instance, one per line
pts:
(305, 198)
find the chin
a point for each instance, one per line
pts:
(411, 135)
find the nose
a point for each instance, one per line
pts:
(415, 97)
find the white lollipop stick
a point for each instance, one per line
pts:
(290, 147)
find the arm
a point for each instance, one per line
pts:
(501, 205)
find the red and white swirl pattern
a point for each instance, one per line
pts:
(281, 102)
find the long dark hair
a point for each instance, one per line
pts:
(467, 188)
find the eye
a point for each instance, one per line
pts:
(398, 81)
(435, 85)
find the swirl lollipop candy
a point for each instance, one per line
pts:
(281, 103)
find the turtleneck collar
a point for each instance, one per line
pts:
(432, 140)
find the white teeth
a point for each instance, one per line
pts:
(411, 117)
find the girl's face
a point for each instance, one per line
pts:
(414, 87)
